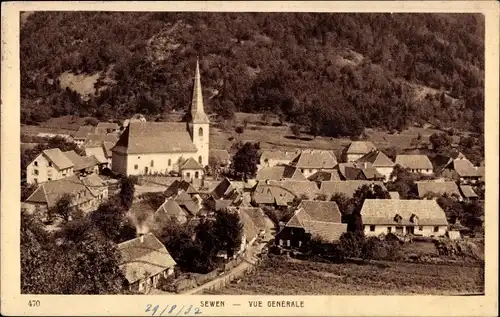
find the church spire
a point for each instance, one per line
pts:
(197, 111)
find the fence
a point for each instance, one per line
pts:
(157, 180)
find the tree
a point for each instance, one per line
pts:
(403, 181)
(127, 190)
(63, 207)
(441, 143)
(245, 161)
(228, 231)
(345, 205)
(355, 221)
(214, 165)
(109, 218)
(239, 130)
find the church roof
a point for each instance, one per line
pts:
(197, 112)
(155, 137)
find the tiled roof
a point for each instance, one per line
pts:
(347, 188)
(221, 155)
(155, 137)
(50, 192)
(467, 191)
(377, 159)
(81, 162)
(191, 164)
(278, 155)
(222, 204)
(223, 189)
(278, 173)
(83, 131)
(169, 208)
(98, 152)
(96, 139)
(108, 125)
(438, 188)
(465, 168)
(384, 211)
(57, 157)
(177, 186)
(184, 200)
(360, 147)
(394, 195)
(325, 176)
(414, 161)
(148, 257)
(326, 211)
(315, 159)
(370, 172)
(256, 215)
(108, 145)
(94, 183)
(480, 171)
(271, 194)
(299, 188)
(348, 171)
(327, 231)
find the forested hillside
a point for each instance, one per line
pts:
(333, 74)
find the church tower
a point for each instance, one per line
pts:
(199, 124)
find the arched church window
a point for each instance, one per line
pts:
(169, 162)
(199, 158)
(196, 175)
(200, 132)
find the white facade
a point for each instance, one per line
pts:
(141, 164)
(425, 231)
(43, 170)
(190, 175)
(200, 135)
(423, 171)
(354, 157)
(385, 171)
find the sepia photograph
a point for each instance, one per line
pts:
(250, 153)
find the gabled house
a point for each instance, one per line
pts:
(437, 188)
(278, 173)
(378, 160)
(348, 188)
(349, 172)
(83, 165)
(312, 219)
(81, 135)
(270, 158)
(108, 127)
(192, 205)
(144, 261)
(462, 170)
(51, 164)
(401, 217)
(358, 149)
(101, 153)
(416, 163)
(96, 185)
(46, 196)
(312, 161)
(180, 185)
(169, 210)
(192, 171)
(468, 192)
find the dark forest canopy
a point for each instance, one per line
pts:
(334, 73)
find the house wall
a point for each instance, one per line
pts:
(422, 171)
(42, 171)
(202, 142)
(139, 164)
(190, 174)
(353, 157)
(119, 163)
(427, 231)
(385, 171)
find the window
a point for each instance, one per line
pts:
(421, 228)
(199, 159)
(136, 166)
(50, 164)
(138, 157)
(188, 174)
(35, 180)
(36, 163)
(169, 162)
(49, 179)
(196, 174)
(200, 132)
(152, 163)
(436, 229)
(35, 172)
(389, 229)
(372, 228)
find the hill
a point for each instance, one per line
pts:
(333, 74)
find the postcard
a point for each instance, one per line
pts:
(249, 158)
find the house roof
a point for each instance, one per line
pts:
(108, 125)
(169, 208)
(191, 164)
(315, 159)
(50, 192)
(184, 200)
(326, 230)
(249, 228)
(321, 176)
(370, 172)
(347, 188)
(81, 162)
(83, 131)
(394, 195)
(326, 211)
(299, 188)
(377, 159)
(94, 183)
(360, 147)
(256, 215)
(108, 145)
(57, 157)
(278, 173)
(98, 153)
(414, 161)
(148, 257)
(222, 204)
(272, 194)
(223, 189)
(221, 155)
(467, 191)
(278, 155)
(439, 188)
(349, 171)
(384, 211)
(480, 171)
(465, 168)
(177, 186)
(96, 139)
(155, 137)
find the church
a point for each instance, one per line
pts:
(162, 147)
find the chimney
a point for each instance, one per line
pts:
(141, 236)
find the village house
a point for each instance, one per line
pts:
(144, 261)
(283, 193)
(312, 161)
(180, 185)
(97, 187)
(468, 193)
(462, 170)
(350, 172)
(348, 188)
(401, 217)
(102, 153)
(378, 160)
(435, 189)
(279, 172)
(221, 156)
(270, 158)
(83, 165)
(170, 210)
(162, 147)
(108, 127)
(46, 196)
(49, 165)
(312, 219)
(192, 172)
(81, 135)
(358, 149)
(416, 163)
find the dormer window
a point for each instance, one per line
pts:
(414, 219)
(398, 218)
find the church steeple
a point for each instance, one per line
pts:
(197, 111)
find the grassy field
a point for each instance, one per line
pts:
(281, 276)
